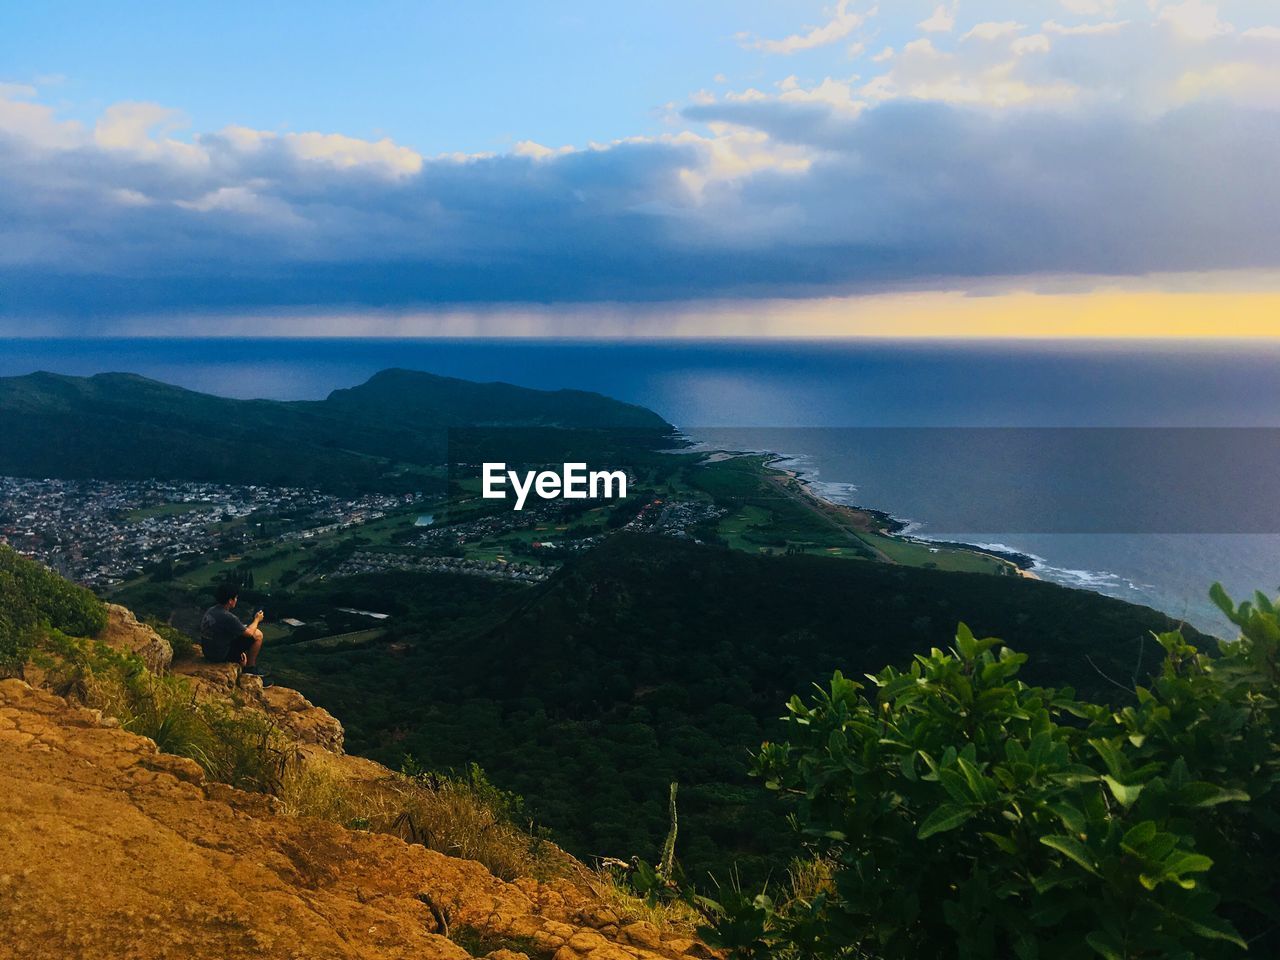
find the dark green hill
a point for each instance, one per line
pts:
(384, 434)
(445, 401)
(650, 660)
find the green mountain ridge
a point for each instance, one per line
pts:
(388, 433)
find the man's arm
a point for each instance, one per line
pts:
(252, 631)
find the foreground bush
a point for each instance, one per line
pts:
(966, 814)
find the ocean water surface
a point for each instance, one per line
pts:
(801, 399)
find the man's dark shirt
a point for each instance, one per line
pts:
(220, 630)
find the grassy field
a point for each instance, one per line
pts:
(270, 561)
(770, 512)
(736, 526)
(354, 638)
(940, 558)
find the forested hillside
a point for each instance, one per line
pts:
(650, 660)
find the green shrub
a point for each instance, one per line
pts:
(16, 636)
(480, 942)
(182, 645)
(237, 747)
(33, 597)
(247, 751)
(966, 814)
(164, 710)
(88, 670)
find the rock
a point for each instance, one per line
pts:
(598, 915)
(295, 716)
(302, 720)
(689, 947)
(125, 632)
(641, 934)
(109, 848)
(220, 679)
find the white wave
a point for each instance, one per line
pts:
(1103, 581)
(845, 494)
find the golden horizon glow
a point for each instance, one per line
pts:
(1225, 307)
(1135, 315)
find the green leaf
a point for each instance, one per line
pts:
(1126, 794)
(1141, 834)
(1071, 848)
(1105, 945)
(1002, 843)
(1072, 818)
(908, 766)
(973, 778)
(1204, 794)
(1173, 869)
(956, 785)
(1186, 862)
(1222, 601)
(1214, 928)
(946, 817)
(1111, 756)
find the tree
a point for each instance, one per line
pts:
(967, 814)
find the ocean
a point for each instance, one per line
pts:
(1145, 509)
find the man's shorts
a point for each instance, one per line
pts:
(239, 645)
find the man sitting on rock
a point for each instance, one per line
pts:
(225, 639)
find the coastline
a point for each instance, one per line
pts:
(788, 469)
(889, 525)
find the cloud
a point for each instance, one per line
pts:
(1084, 29)
(1091, 7)
(842, 23)
(1035, 43)
(1069, 152)
(333, 149)
(941, 20)
(34, 124)
(1195, 19)
(129, 126)
(994, 30)
(987, 73)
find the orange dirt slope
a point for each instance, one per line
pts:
(109, 849)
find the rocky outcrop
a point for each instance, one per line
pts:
(125, 632)
(293, 714)
(111, 849)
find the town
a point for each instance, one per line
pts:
(101, 533)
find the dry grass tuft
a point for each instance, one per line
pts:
(809, 876)
(669, 916)
(452, 815)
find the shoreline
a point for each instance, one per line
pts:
(866, 519)
(892, 526)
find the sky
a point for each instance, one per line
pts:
(1010, 168)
